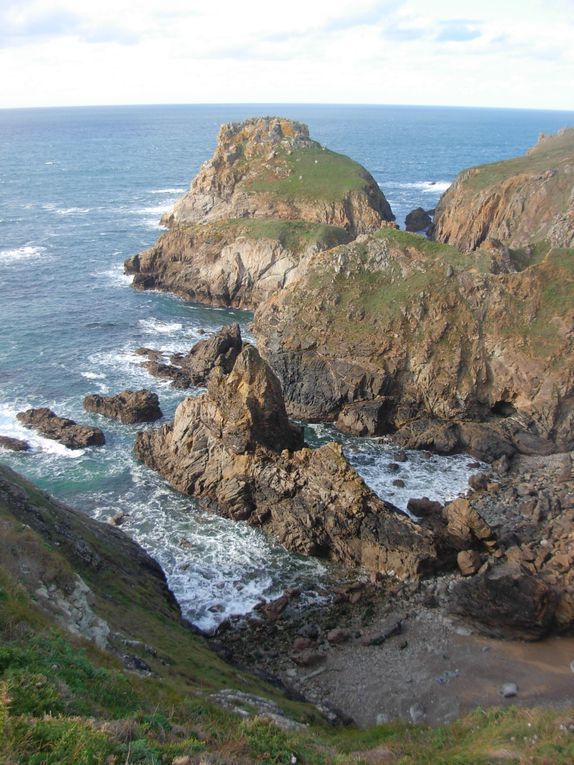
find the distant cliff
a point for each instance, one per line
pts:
(268, 198)
(526, 203)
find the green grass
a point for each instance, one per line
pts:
(65, 702)
(294, 235)
(310, 173)
(553, 152)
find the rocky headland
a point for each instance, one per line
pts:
(267, 199)
(526, 204)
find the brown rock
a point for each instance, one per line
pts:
(61, 429)
(236, 447)
(418, 220)
(506, 602)
(423, 506)
(14, 444)
(468, 562)
(478, 481)
(465, 526)
(364, 418)
(128, 407)
(338, 635)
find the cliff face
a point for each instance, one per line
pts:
(527, 203)
(232, 263)
(426, 331)
(268, 198)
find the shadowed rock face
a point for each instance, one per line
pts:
(521, 202)
(268, 198)
(236, 447)
(61, 429)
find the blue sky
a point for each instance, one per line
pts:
(487, 53)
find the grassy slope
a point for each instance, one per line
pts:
(293, 235)
(309, 173)
(549, 153)
(64, 702)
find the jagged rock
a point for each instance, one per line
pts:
(14, 444)
(468, 562)
(423, 506)
(364, 418)
(220, 350)
(522, 202)
(61, 429)
(236, 447)
(506, 602)
(418, 220)
(257, 209)
(465, 527)
(128, 406)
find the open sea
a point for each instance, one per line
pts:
(81, 189)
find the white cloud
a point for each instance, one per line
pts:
(185, 51)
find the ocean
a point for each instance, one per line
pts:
(81, 189)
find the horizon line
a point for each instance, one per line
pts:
(283, 103)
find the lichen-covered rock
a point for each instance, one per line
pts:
(236, 447)
(128, 406)
(268, 199)
(61, 429)
(527, 203)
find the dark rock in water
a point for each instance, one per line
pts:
(507, 602)
(220, 350)
(423, 506)
(193, 368)
(128, 406)
(364, 418)
(236, 447)
(61, 429)
(418, 220)
(14, 444)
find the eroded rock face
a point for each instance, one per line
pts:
(268, 199)
(236, 447)
(524, 529)
(522, 202)
(61, 429)
(435, 335)
(128, 406)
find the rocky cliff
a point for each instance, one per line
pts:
(235, 447)
(526, 203)
(418, 329)
(268, 197)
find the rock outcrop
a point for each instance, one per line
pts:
(61, 429)
(526, 518)
(129, 407)
(526, 203)
(235, 447)
(186, 370)
(267, 199)
(412, 329)
(418, 221)
(14, 444)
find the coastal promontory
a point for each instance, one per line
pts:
(267, 199)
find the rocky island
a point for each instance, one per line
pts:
(267, 199)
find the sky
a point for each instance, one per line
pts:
(499, 53)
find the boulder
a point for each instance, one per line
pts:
(468, 562)
(507, 602)
(14, 444)
(235, 447)
(128, 406)
(61, 429)
(418, 220)
(364, 418)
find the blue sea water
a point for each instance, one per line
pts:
(81, 189)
